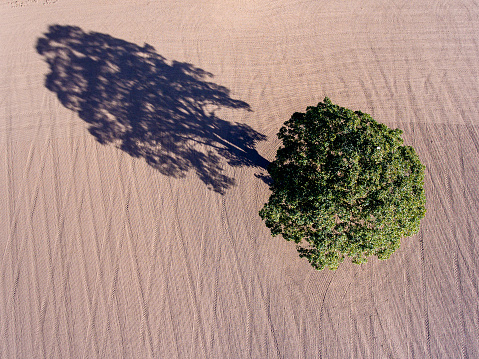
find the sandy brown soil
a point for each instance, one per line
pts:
(131, 181)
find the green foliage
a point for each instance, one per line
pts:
(343, 185)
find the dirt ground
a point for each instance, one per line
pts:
(135, 137)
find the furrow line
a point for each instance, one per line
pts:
(17, 264)
(321, 311)
(100, 288)
(424, 293)
(460, 296)
(272, 331)
(145, 318)
(59, 244)
(231, 242)
(126, 198)
(191, 287)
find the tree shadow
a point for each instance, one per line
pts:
(132, 98)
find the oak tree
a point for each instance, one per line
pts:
(343, 185)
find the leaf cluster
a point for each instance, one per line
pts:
(343, 185)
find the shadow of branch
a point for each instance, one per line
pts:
(132, 98)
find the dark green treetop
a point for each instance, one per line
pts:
(343, 185)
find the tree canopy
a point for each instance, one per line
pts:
(343, 185)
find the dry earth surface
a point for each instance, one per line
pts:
(131, 179)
